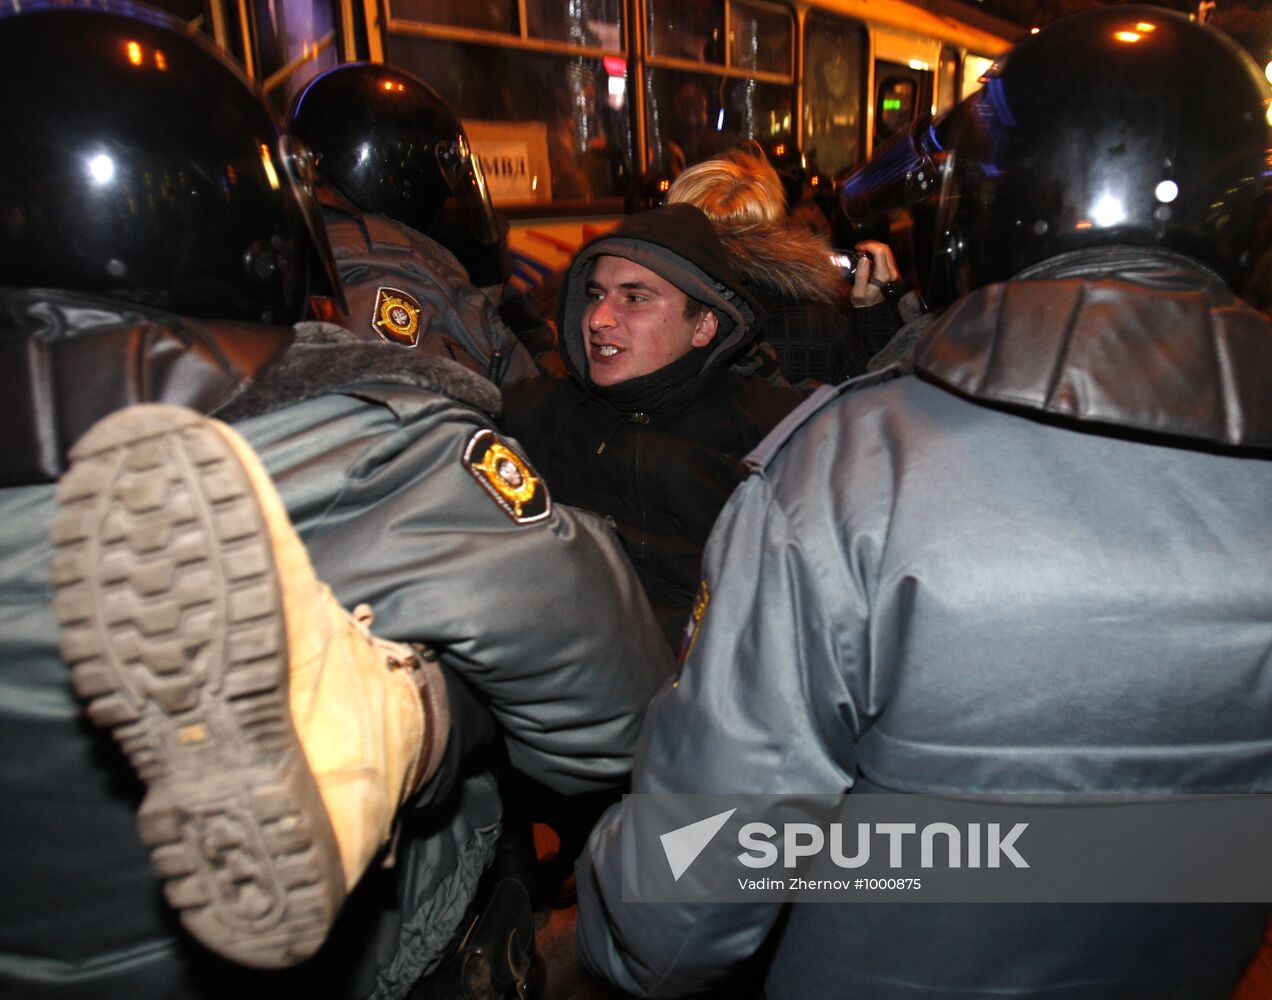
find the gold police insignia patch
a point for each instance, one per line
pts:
(507, 477)
(396, 316)
(696, 615)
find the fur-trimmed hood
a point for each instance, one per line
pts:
(783, 261)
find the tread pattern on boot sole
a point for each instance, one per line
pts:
(172, 622)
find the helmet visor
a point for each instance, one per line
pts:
(298, 165)
(462, 173)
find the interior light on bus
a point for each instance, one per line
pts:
(1130, 37)
(1146, 27)
(1267, 71)
(779, 149)
(267, 162)
(161, 61)
(664, 185)
(1034, 30)
(720, 121)
(1166, 191)
(920, 65)
(134, 53)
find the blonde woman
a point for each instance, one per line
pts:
(802, 293)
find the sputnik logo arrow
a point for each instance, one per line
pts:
(683, 845)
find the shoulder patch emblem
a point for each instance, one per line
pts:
(396, 316)
(507, 477)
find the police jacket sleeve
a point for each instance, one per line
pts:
(412, 504)
(759, 707)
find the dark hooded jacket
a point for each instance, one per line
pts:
(1037, 566)
(661, 453)
(801, 297)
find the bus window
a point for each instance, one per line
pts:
(546, 106)
(693, 113)
(591, 23)
(691, 116)
(295, 40)
(759, 38)
(549, 129)
(947, 80)
(686, 29)
(192, 12)
(834, 70)
(488, 15)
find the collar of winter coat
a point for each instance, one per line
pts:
(1134, 338)
(68, 360)
(678, 243)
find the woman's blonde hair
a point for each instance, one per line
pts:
(737, 186)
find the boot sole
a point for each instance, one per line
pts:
(172, 621)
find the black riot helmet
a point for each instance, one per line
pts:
(388, 143)
(141, 165)
(1122, 125)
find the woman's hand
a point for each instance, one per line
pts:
(877, 277)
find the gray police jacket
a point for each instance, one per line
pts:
(1042, 566)
(407, 289)
(383, 473)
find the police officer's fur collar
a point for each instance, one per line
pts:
(327, 358)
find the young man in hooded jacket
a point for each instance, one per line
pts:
(651, 426)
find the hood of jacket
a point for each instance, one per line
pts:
(783, 261)
(1139, 339)
(679, 244)
(68, 360)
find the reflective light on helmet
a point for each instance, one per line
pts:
(134, 53)
(101, 168)
(267, 162)
(1145, 27)
(1129, 37)
(1108, 211)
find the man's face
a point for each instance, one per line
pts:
(635, 322)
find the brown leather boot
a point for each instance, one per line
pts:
(275, 735)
